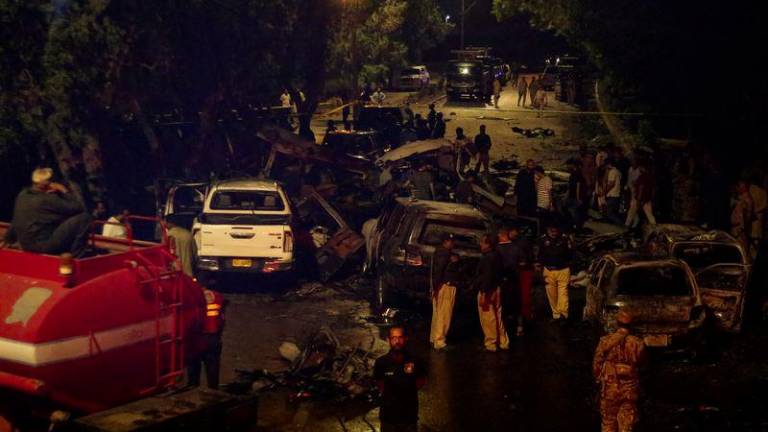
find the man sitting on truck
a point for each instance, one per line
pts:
(48, 219)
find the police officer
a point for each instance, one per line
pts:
(444, 276)
(400, 376)
(210, 349)
(554, 257)
(488, 285)
(615, 368)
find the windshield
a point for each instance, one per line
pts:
(725, 277)
(663, 280)
(466, 233)
(464, 70)
(700, 255)
(247, 200)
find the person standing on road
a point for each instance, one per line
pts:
(483, 146)
(508, 253)
(533, 89)
(616, 365)
(543, 195)
(613, 192)
(554, 259)
(525, 189)
(643, 191)
(464, 151)
(431, 117)
(399, 376)
(496, 92)
(525, 275)
(577, 195)
(182, 244)
(522, 92)
(439, 129)
(487, 283)
(444, 277)
(209, 354)
(48, 219)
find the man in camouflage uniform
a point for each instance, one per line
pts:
(615, 367)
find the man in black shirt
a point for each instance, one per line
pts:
(487, 283)
(444, 278)
(439, 130)
(525, 189)
(554, 258)
(48, 219)
(431, 118)
(576, 203)
(483, 145)
(400, 376)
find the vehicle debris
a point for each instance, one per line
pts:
(534, 133)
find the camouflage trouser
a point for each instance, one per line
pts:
(618, 411)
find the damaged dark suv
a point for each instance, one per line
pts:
(405, 236)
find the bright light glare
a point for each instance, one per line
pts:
(464, 71)
(447, 18)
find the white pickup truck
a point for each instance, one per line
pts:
(245, 226)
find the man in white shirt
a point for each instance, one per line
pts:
(543, 195)
(378, 97)
(115, 226)
(613, 192)
(285, 99)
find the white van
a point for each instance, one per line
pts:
(245, 226)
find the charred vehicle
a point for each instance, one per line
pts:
(660, 293)
(717, 259)
(367, 145)
(406, 235)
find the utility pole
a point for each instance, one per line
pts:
(463, 12)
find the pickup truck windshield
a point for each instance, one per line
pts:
(247, 200)
(666, 280)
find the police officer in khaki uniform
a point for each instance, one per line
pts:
(615, 368)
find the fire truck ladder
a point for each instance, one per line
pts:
(169, 329)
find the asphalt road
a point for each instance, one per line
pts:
(542, 383)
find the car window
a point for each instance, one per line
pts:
(247, 200)
(700, 255)
(188, 199)
(662, 280)
(466, 233)
(723, 277)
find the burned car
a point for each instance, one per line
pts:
(402, 240)
(660, 293)
(367, 145)
(718, 261)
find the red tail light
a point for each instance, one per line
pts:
(287, 241)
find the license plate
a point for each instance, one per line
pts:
(242, 263)
(656, 340)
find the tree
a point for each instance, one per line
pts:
(426, 27)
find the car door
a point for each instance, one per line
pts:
(594, 300)
(723, 291)
(186, 202)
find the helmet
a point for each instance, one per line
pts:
(623, 317)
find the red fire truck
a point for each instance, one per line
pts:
(82, 336)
